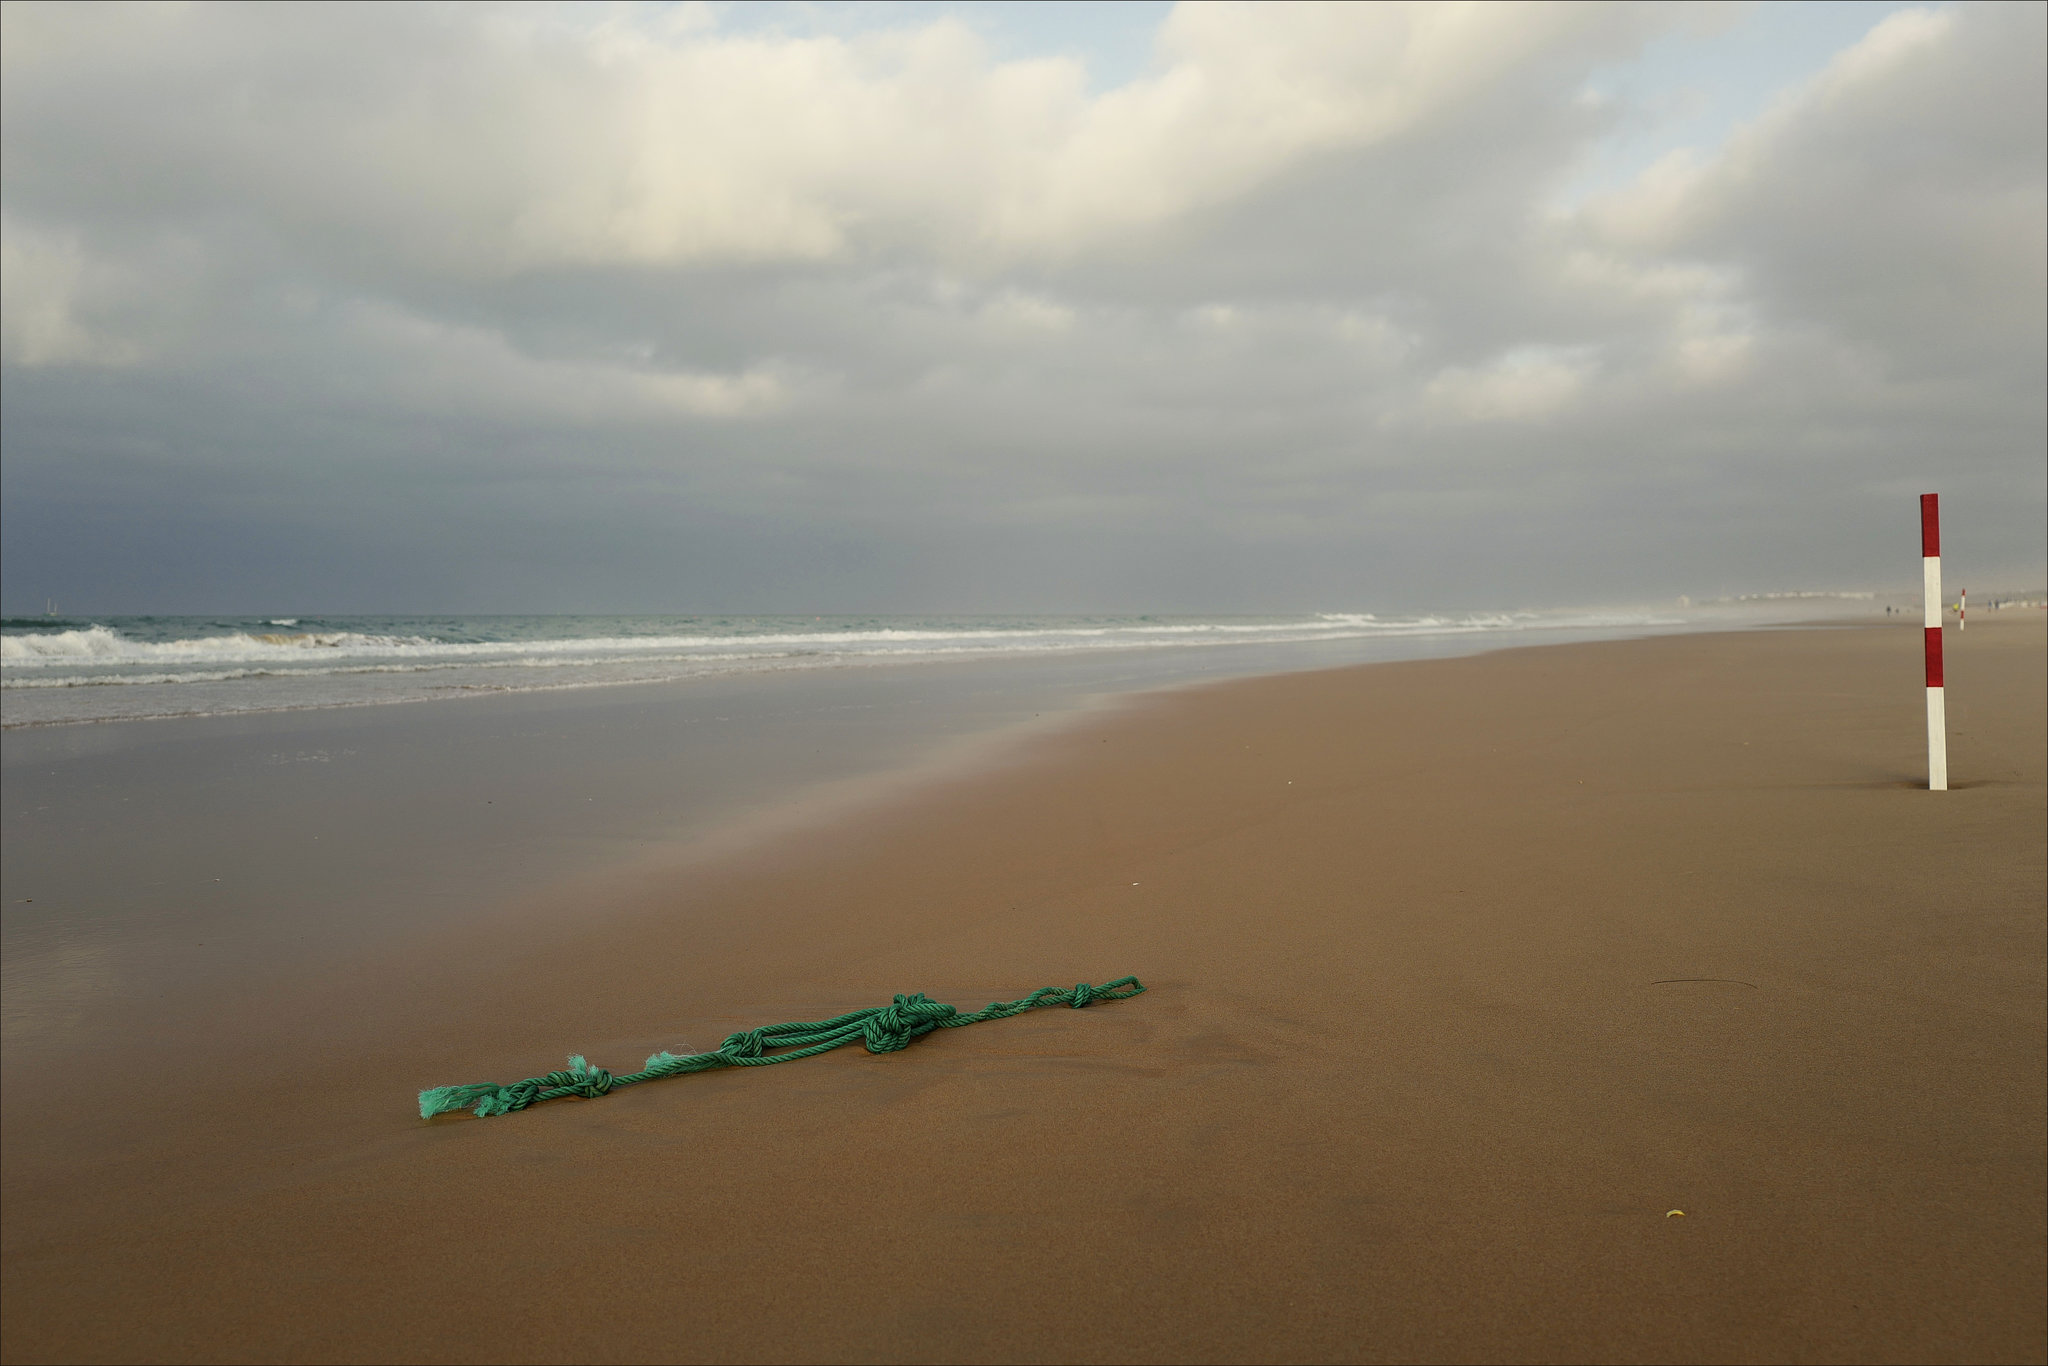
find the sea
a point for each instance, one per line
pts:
(57, 670)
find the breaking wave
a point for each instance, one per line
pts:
(186, 666)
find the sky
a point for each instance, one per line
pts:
(1015, 308)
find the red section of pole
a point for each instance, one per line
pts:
(1930, 524)
(1934, 656)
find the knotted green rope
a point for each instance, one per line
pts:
(884, 1029)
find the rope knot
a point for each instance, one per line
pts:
(503, 1100)
(1083, 994)
(892, 1027)
(745, 1044)
(581, 1079)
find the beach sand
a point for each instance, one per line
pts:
(1463, 974)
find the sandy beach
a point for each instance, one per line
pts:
(1464, 974)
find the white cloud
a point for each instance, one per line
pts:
(45, 279)
(1661, 208)
(1896, 199)
(484, 140)
(433, 366)
(1023, 312)
(1701, 326)
(1527, 384)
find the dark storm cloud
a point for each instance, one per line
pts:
(471, 308)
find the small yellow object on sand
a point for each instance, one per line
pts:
(1674, 1214)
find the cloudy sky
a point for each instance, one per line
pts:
(950, 307)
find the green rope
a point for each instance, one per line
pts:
(884, 1029)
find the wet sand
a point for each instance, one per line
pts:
(1463, 973)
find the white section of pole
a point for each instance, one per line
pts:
(1937, 741)
(1937, 708)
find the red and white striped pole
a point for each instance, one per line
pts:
(1930, 572)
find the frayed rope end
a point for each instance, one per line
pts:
(439, 1100)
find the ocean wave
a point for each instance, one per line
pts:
(101, 645)
(427, 667)
(130, 668)
(104, 645)
(101, 656)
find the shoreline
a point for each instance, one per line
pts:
(1417, 1077)
(21, 699)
